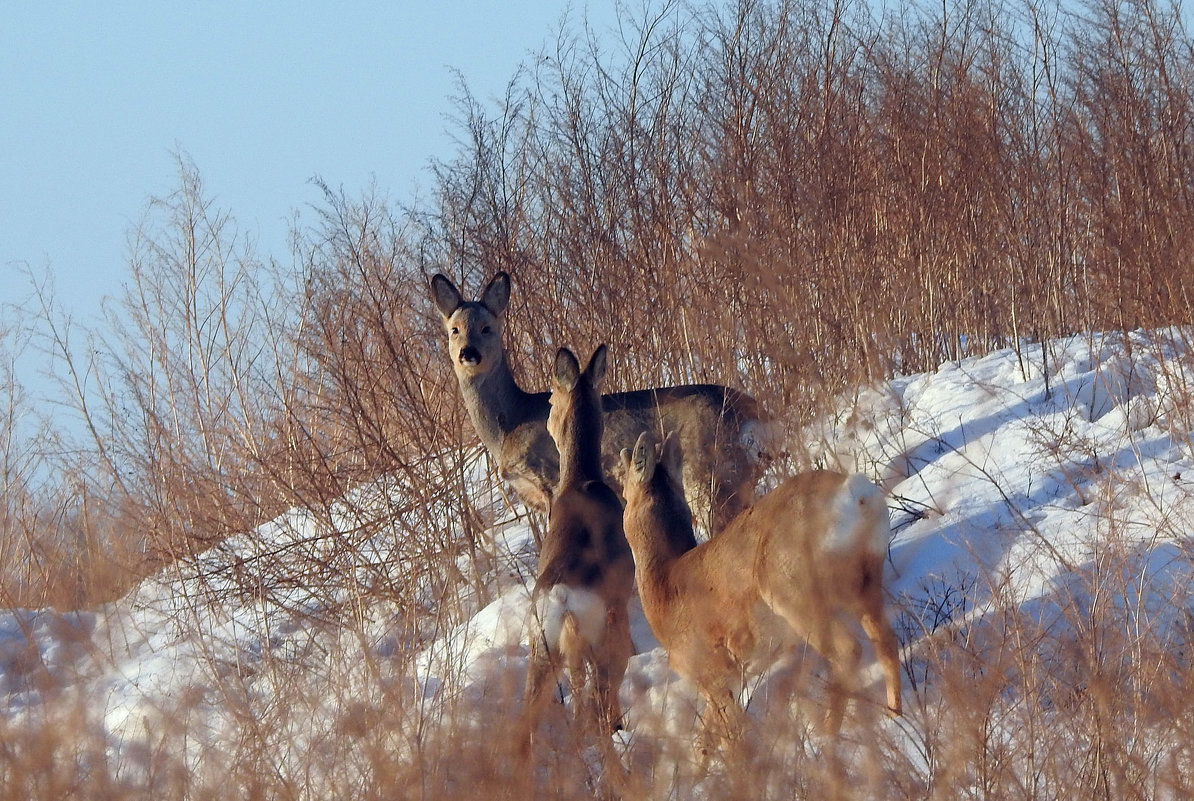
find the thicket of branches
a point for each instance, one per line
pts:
(804, 195)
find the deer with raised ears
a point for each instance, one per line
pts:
(727, 436)
(803, 564)
(586, 569)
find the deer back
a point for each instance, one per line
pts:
(708, 420)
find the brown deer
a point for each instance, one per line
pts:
(722, 429)
(586, 570)
(802, 563)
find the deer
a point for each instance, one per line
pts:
(800, 565)
(586, 569)
(728, 437)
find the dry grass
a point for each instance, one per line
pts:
(791, 197)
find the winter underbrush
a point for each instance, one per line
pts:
(1039, 579)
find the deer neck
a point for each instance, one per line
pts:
(580, 452)
(654, 570)
(495, 403)
(665, 539)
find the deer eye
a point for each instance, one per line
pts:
(455, 330)
(487, 330)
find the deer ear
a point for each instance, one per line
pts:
(672, 457)
(444, 293)
(642, 461)
(596, 369)
(497, 293)
(567, 370)
(625, 459)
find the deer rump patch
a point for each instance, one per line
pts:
(857, 518)
(585, 607)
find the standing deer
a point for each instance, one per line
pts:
(586, 570)
(722, 429)
(801, 564)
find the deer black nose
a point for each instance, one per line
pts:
(470, 355)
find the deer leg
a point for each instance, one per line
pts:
(543, 668)
(718, 676)
(611, 668)
(887, 650)
(843, 653)
(722, 724)
(579, 657)
(832, 638)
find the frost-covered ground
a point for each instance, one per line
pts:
(1009, 476)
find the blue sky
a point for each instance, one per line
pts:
(96, 99)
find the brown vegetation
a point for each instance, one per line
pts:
(810, 195)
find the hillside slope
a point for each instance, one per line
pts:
(1042, 512)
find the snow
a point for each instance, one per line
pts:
(1007, 476)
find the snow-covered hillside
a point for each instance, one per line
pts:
(1011, 477)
